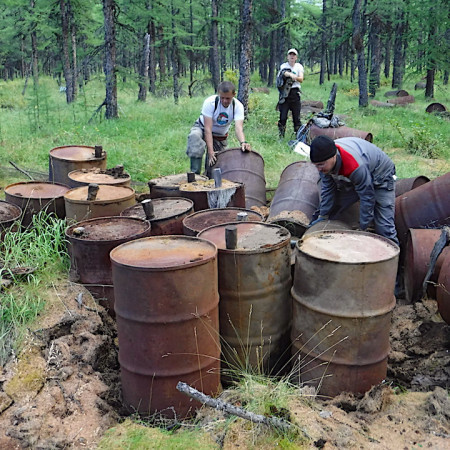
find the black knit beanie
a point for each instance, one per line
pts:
(321, 149)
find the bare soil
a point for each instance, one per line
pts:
(63, 389)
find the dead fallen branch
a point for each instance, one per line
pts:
(231, 409)
(21, 170)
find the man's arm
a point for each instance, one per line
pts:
(327, 194)
(208, 123)
(239, 129)
(362, 180)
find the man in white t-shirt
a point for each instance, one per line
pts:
(294, 71)
(211, 128)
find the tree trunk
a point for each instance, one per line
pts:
(323, 47)
(399, 63)
(273, 47)
(152, 60)
(431, 63)
(109, 66)
(174, 57)
(387, 56)
(358, 45)
(282, 34)
(375, 62)
(143, 75)
(65, 44)
(73, 36)
(214, 51)
(34, 50)
(246, 54)
(162, 64)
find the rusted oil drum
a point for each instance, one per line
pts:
(168, 214)
(435, 107)
(396, 93)
(296, 198)
(247, 168)
(194, 223)
(90, 243)
(110, 201)
(166, 303)
(255, 303)
(404, 100)
(65, 159)
(443, 289)
(427, 206)
(340, 132)
(9, 215)
(419, 245)
(343, 300)
(403, 185)
(205, 195)
(381, 104)
(85, 177)
(35, 196)
(328, 225)
(169, 185)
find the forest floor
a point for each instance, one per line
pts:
(63, 390)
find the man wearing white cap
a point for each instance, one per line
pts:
(290, 71)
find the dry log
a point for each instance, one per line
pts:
(228, 408)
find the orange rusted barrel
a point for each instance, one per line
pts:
(339, 132)
(89, 245)
(167, 214)
(109, 201)
(198, 221)
(343, 296)
(65, 159)
(84, 177)
(443, 288)
(9, 215)
(169, 185)
(166, 304)
(255, 302)
(35, 196)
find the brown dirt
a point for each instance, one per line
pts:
(63, 389)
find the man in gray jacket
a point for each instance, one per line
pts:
(353, 169)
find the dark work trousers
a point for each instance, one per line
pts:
(291, 103)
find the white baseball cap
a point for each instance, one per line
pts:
(292, 50)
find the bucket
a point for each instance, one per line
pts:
(296, 198)
(167, 214)
(65, 159)
(343, 296)
(169, 185)
(109, 201)
(196, 222)
(427, 206)
(255, 302)
(9, 214)
(85, 177)
(90, 243)
(247, 168)
(166, 303)
(35, 196)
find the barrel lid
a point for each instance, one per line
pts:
(36, 189)
(163, 208)
(241, 155)
(105, 193)
(75, 153)
(208, 186)
(96, 176)
(210, 217)
(252, 236)
(352, 247)
(107, 228)
(173, 181)
(8, 211)
(164, 252)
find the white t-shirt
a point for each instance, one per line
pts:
(222, 117)
(297, 70)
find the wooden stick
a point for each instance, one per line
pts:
(22, 171)
(231, 409)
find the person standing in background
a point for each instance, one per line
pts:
(290, 101)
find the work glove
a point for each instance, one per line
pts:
(212, 159)
(319, 219)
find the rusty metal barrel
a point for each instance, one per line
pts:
(84, 177)
(427, 206)
(9, 215)
(89, 245)
(435, 107)
(296, 198)
(167, 214)
(443, 288)
(169, 185)
(198, 221)
(419, 245)
(403, 185)
(36, 196)
(65, 159)
(108, 201)
(255, 303)
(403, 100)
(166, 303)
(339, 132)
(247, 168)
(343, 296)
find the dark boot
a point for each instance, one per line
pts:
(281, 129)
(196, 165)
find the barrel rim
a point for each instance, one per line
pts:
(20, 197)
(160, 219)
(376, 236)
(228, 208)
(249, 252)
(239, 148)
(119, 181)
(54, 150)
(99, 202)
(15, 217)
(71, 237)
(163, 269)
